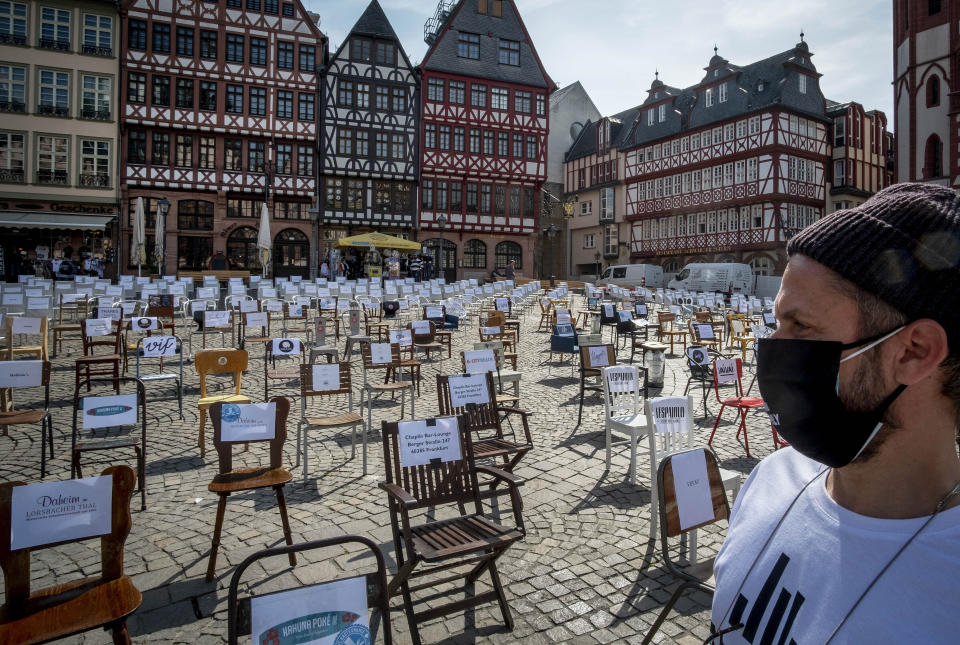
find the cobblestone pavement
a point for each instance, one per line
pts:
(586, 572)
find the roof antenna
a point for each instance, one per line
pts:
(801, 34)
(714, 49)
(656, 74)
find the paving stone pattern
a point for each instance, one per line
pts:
(587, 571)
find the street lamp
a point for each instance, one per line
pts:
(315, 226)
(551, 233)
(160, 234)
(442, 222)
(596, 256)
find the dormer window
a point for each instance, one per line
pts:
(656, 95)
(716, 73)
(760, 86)
(708, 97)
(803, 84)
(722, 92)
(650, 116)
(662, 113)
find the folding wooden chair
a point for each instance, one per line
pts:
(698, 575)
(75, 606)
(461, 540)
(485, 421)
(112, 440)
(238, 610)
(218, 361)
(233, 480)
(312, 388)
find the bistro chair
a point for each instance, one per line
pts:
(161, 347)
(229, 480)
(386, 357)
(624, 391)
(592, 360)
(730, 371)
(462, 540)
(75, 606)
(287, 350)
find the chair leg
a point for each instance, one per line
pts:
(411, 615)
(282, 505)
(200, 438)
(716, 423)
(120, 634)
(501, 596)
(666, 611)
(215, 544)
(743, 427)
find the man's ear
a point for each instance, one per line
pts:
(922, 346)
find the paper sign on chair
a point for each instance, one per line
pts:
(21, 373)
(109, 411)
(333, 613)
(52, 512)
(326, 377)
(692, 487)
(426, 440)
(248, 421)
(468, 388)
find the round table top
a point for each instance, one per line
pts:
(654, 346)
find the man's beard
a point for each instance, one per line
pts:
(867, 393)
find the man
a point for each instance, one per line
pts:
(416, 266)
(511, 270)
(852, 535)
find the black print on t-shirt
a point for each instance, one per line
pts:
(783, 614)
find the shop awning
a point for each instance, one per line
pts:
(54, 220)
(378, 240)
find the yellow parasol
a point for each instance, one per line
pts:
(378, 240)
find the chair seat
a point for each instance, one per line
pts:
(730, 477)
(744, 402)
(284, 374)
(629, 421)
(107, 444)
(15, 417)
(495, 447)
(507, 398)
(460, 536)
(62, 328)
(62, 610)
(249, 478)
(388, 387)
(207, 401)
(336, 420)
(98, 358)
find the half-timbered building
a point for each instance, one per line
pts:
(861, 154)
(729, 169)
(483, 138)
(368, 138)
(219, 117)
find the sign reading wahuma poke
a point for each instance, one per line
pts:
(334, 613)
(52, 512)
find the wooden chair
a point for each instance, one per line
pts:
(230, 480)
(373, 388)
(101, 355)
(294, 323)
(274, 350)
(441, 332)
(590, 368)
(546, 313)
(699, 575)
(10, 417)
(310, 389)
(218, 361)
(404, 338)
(238, 611)
(484, 420)
(703, 334)
(77, 606)
(258, 322)
(39, 351)
(730, 370)
(462, 540)
(427, 341)
(740, 336)
(80, 446)
(77, 310)
(502, 374)
(666, 321)
(163, 307)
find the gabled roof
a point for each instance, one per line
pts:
(442, 54)
(620, 127)
(373, 23)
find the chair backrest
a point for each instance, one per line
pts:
(698, 360)
(20, 374)
(254, 319)
(666, 320)
(108, 343)
(16, 562)
(702, 331)
(670, 424)
(702, 316)
(375, 585)
(496, 346)
(220, 361)
(596, 357)
(225, 448)
(434, 482)
(331, 379)
(424, 338)
(375, 354)
(285, 348)
(682, 513)
(481, 411)
(24, 326)
(621, 390)
(727, 371)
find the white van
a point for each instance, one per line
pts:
(714, 277)
(632, 276)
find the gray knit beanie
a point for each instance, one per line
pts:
(902, 245)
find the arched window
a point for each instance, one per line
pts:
(242, 249)
(432, 248)
(507, 252)
(672, 267)
(761, 265)
(933, 158)
(474, 255)
(933, 91)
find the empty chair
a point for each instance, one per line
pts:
(287, 350)
(323, 380)
(730, 371)
(624, 392)
(218, 361)
(20, 375)
(162, 347)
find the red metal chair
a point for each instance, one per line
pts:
(723, 373)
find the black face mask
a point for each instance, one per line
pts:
(799, 382)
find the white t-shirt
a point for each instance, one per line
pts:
(821, 560)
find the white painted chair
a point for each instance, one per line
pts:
(623, 410)
(670, 420)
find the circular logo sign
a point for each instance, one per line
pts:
(230, 412)
(699, 356)
(285, 345)
(143, 323)
(222, 361)
(353, 635)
